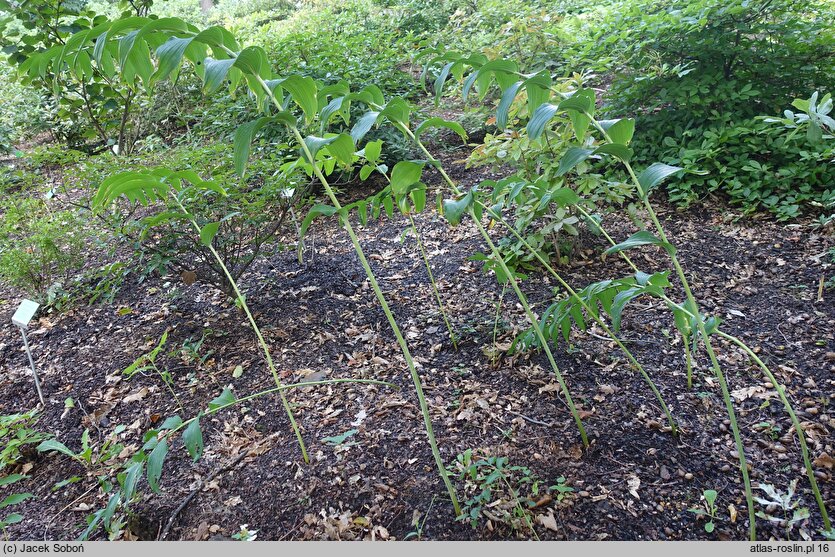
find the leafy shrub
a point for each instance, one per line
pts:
(757, 165)
(17, 432)
(22, 111)
(331, 41)
(254, 214)
(38, 249)
(697, 73)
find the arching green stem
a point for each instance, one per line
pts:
(513, 284)
(798, 428)
(254, 325)
(435, 290)
(424, 407)
(498, 218)
(700, 325)
(688, 355)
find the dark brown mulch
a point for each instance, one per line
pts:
(635, 481)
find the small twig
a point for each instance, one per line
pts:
(529, 419)
(219, 470)
(70, 504)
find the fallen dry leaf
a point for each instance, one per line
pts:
(824, 461)
(548, 521)
(136, 395)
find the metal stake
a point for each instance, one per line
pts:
(24, 314)
(32, 363)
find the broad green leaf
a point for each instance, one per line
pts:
(654, 175)
(11, 478)
(169, 55)
(315, 211)
(622, 152)
(363, 125)
(155, 462)
(342, 148)
(541, 117)
(193, 439)
(253, 61)
(397, 111)
(505, 103)
(403, 175)
(13, 518)
(572, 157)
(304, 93)
(565, 197)
(172, 422)
(214, 73)
(15, 499)
(454, 209)
(207, 233)
(224, 399)
(441, 79)
(581, 101)
(642, 238)
(132, 475)
(53, 445)
(373, 150)
(441, 123)
(620, 131)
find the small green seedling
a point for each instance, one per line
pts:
(792, 512)
(338, 440)
(13, 499)
(708, 509)
(245, 535)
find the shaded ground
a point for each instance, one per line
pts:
(636, 481)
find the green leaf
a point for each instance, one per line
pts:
(505, 103)
(373, 150)
(403, 175)
(618, 150)
(193, 439)
(441, 123)
(339, 439)
(172, 422)
(454, 209)
(581, 101)
(224, 399)
(654, 175)
(253, 61)
(342, 148)
(15, 499)
(397, 111)
(214, 73)
(12, 518)
(207, 233)
(363, 125)
(132, 475)
(137, 187)
(155, 462)
(169, 55)
(642, 238)
(304, 93)
(620, 131)
(572, 157)
(53, 445)
(710, 496)
(315, 211)
(11, 478)
(541, 116)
